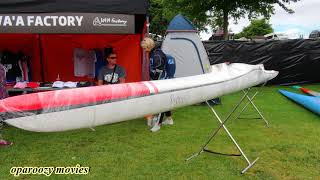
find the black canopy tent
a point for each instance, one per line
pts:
(68, 24)
(93, 6)
(138, 8)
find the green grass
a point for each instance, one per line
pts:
(288, 149)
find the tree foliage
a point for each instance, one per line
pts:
(158, 20)
(257, 27)
(217, 13)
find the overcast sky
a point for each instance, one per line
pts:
(305, 19)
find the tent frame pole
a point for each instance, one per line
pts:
(41, 57)
(148, 24)
(223, 126)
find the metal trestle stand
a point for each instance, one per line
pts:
(250, 101)
(223, 126)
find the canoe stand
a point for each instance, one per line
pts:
(223, 126)
(250, 101)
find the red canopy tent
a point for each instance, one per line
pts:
(51, 47)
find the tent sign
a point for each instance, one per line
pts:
(48, 23)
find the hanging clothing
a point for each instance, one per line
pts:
(11, 63)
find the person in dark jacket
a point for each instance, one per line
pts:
(158, 60)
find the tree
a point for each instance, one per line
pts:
(257, 27)
(161, 13)
(158, 22)
(218, 12)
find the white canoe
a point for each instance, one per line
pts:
(69, 109)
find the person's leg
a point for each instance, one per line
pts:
(158, 123)
(149, 120)
(169, 120)
(161, 117)
(2, 141)
(168, 113)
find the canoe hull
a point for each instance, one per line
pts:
(309, 92)
(309, 102)
(162, 96)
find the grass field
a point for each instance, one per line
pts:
(288, 149)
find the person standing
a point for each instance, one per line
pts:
(3, 94)
(112, 73)
(158, 60)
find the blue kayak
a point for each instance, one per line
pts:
(310, 102)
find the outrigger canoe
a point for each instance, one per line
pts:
(309, 102)
(307, 91)
(86, 107)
